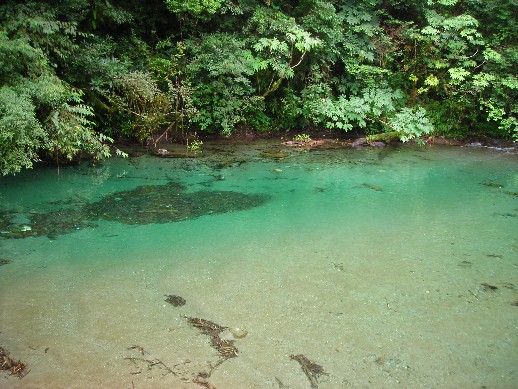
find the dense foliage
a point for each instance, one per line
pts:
(76, 73)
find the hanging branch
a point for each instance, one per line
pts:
(274, 86)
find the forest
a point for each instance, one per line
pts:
(76, 76)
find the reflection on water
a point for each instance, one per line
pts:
(329, 268)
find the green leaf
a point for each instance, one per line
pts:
(458, 75)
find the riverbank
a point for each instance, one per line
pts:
(310, 140)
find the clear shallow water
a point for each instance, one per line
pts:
(371, 263)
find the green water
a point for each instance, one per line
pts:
(373, 263)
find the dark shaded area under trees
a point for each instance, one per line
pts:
(76, 74)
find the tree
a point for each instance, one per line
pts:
(458, 74)
(40, 112)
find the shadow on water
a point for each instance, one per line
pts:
(142, 205)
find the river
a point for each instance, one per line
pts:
(368, 268)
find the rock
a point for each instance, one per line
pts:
(164, 153)
(292, 143)
(474, 144)
(274, 154)
(175, 301)
(373, 187)
(359, 142)
(305, 143)
(238, 332)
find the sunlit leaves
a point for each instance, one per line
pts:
(482, 80)
(457, 75)
(377, 106)
(410, 124)
(429, 30)
(194, 7)
(491, 55)
(431, 80)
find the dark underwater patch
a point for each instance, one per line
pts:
(143, 205)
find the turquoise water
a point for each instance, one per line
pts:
(376, 264)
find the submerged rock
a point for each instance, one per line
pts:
(175, 301)
(274, 154)
(164, 153)
(371, 186)
(361, 142)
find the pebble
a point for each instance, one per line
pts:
(238, 332)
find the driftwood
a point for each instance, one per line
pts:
(225, 348)
(17, 368)
(150, 364)
(310, 369)
(205, 326)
